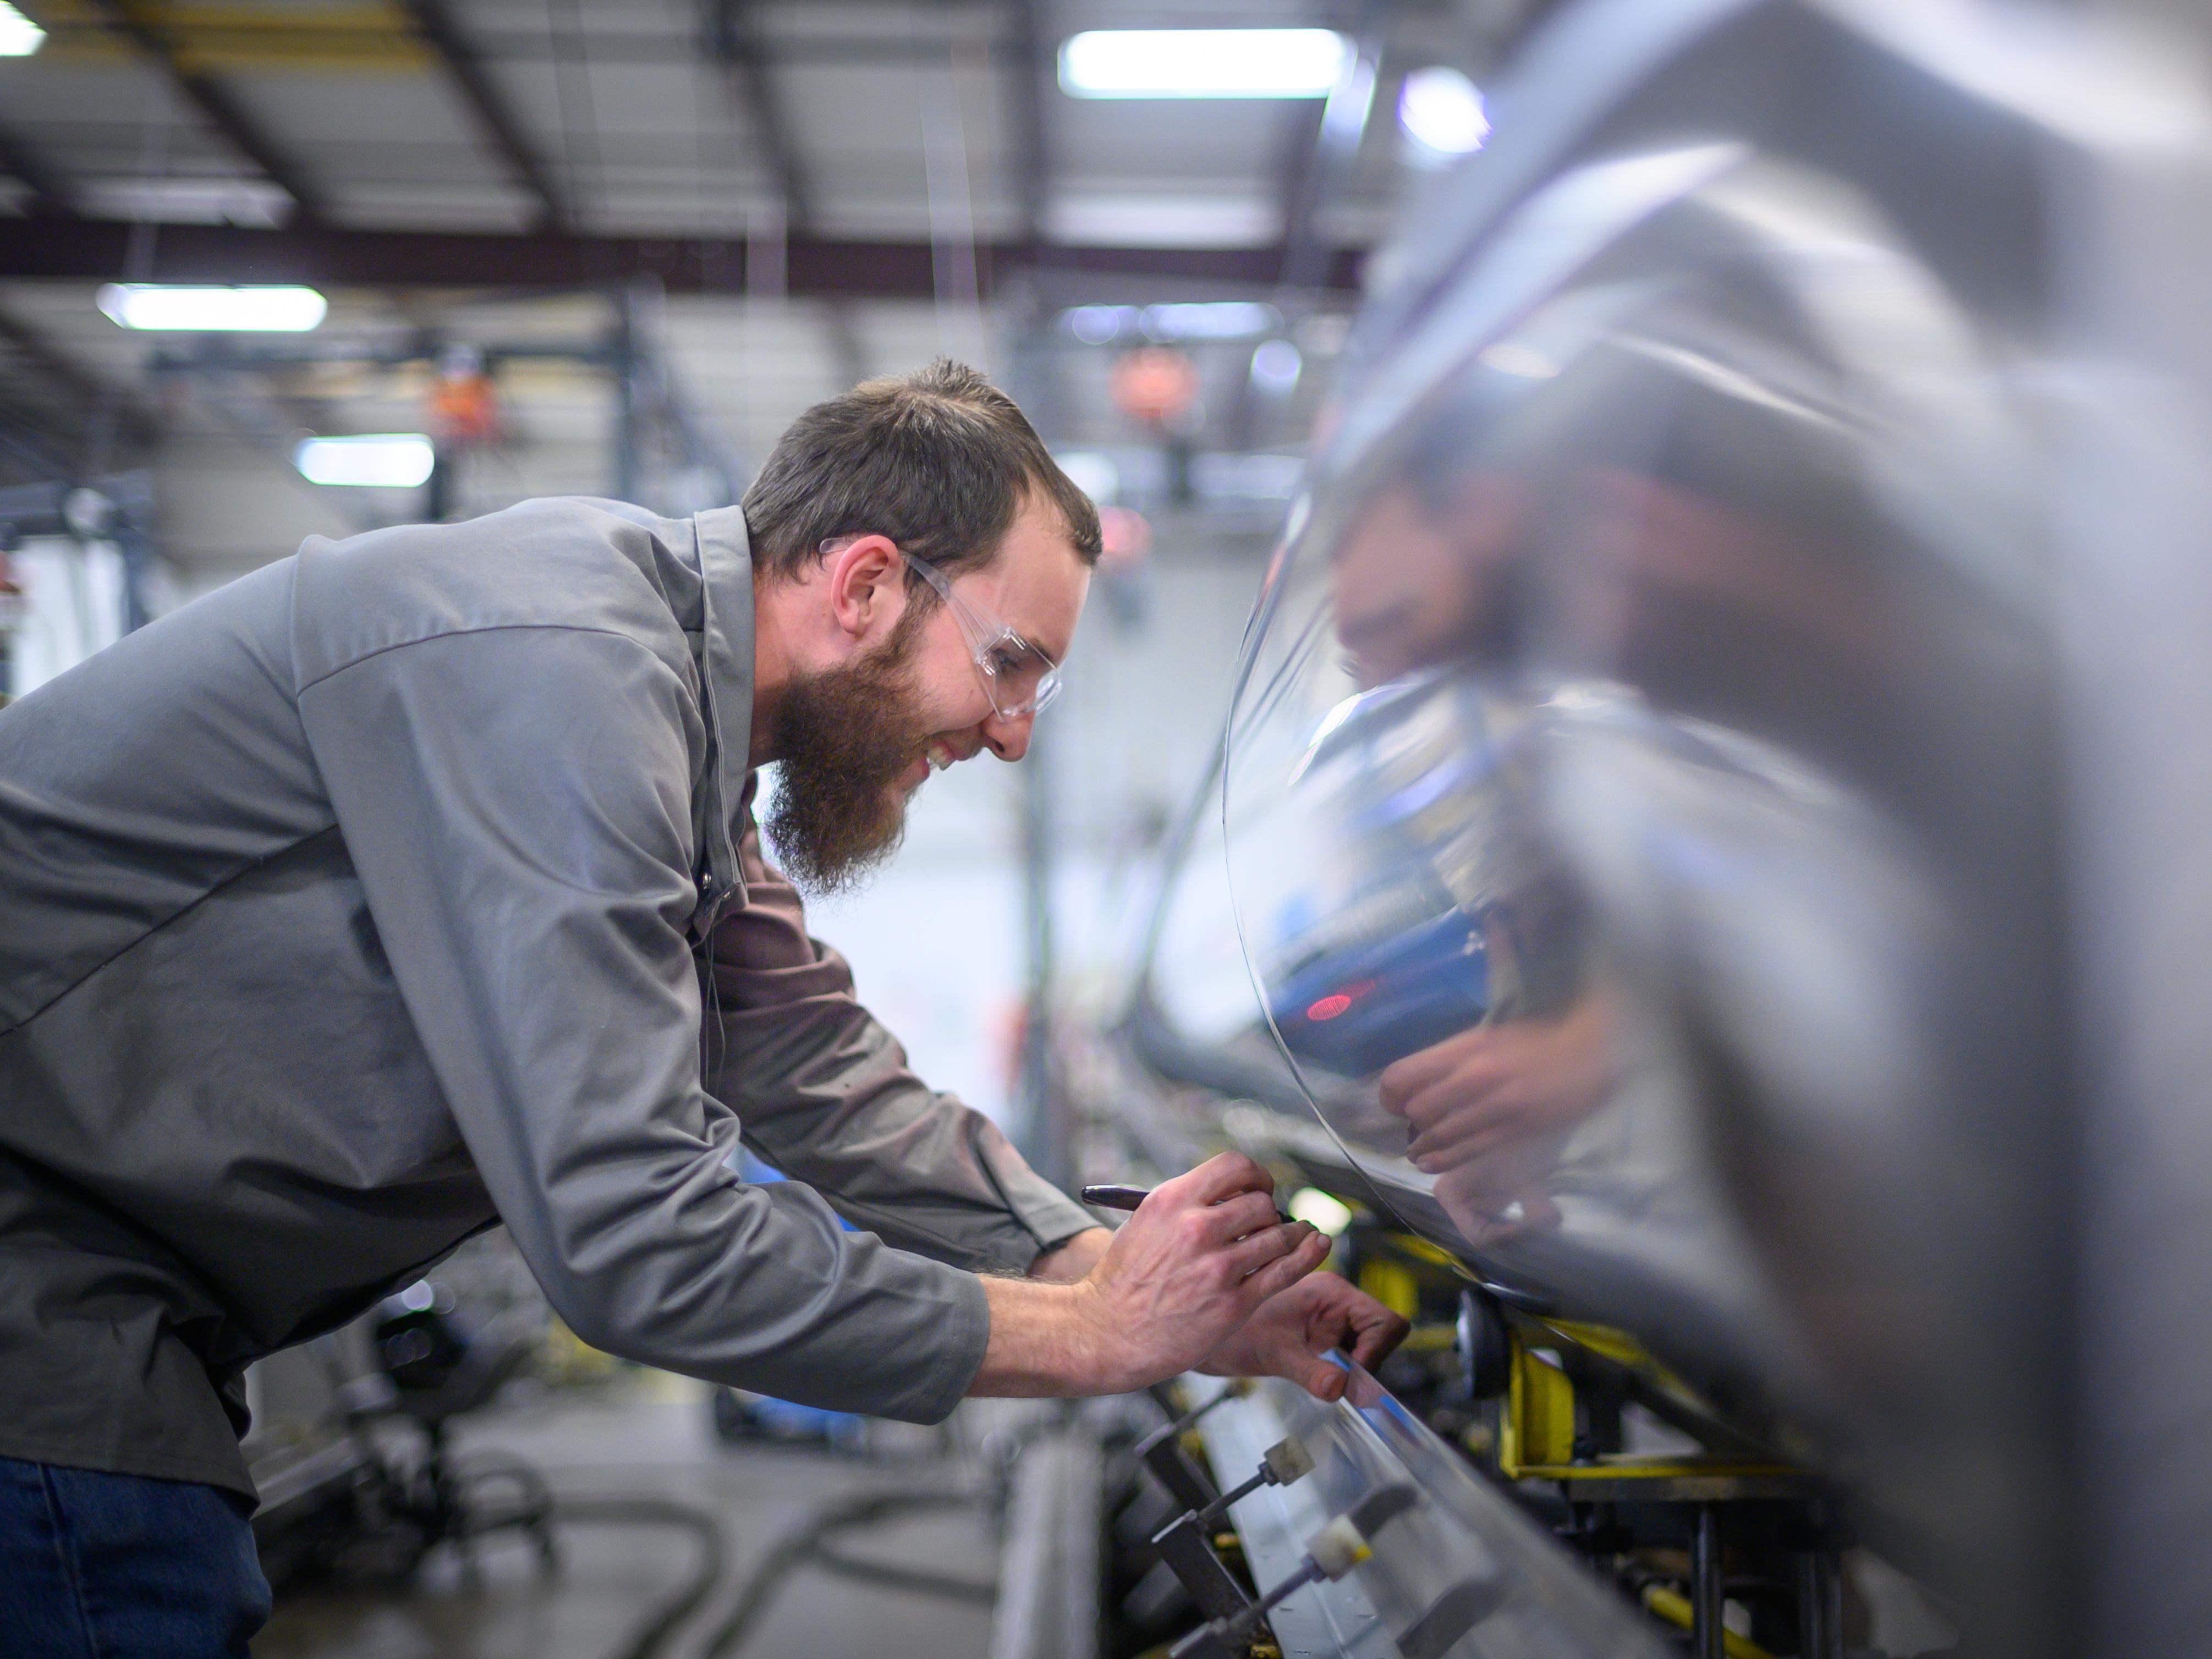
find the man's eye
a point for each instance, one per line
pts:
(1004, 661)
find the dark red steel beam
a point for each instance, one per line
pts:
(815, 266)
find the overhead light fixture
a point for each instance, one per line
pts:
(1319, 1210)
(1092, 473)
(385, 460)
(1099, 325)
(1276, 366)
(1441, 112)
(19, 36)
(1194, 319)
(213, 310)
(1203, 63)
(1210, 320)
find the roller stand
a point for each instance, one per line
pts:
(1186, 1543)
(1162, 1452)
(1333, 1552)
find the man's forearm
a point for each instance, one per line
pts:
(1046, 1339)
(1045, 1333)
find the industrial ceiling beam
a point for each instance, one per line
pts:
(221, 107)
(49, 193)
(93, 399)
(815, 267)
(1324, 148)
(737, 47)
(434, 19)
(735, 36)
(1027, 59)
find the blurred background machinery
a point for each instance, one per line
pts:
(1638, 744)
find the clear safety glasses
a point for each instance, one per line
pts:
(1017, 678)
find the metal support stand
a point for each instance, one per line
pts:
(1820, 1605)
(1187, 1543)
(1187, 1550)
(1161, 1451)
(1707, 1599)
(1331, 1552)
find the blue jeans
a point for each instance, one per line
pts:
(118, 1567)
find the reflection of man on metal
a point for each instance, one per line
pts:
(1412, 586)
(410, 885)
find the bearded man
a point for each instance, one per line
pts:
(410, 885)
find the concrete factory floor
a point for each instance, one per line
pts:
(653, 1438)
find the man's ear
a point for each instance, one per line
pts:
(867, 587)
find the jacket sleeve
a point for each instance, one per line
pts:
(825, 1096)
(517, 803)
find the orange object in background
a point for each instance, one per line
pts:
(1126, 534)
(1155, 384)
(463, 409)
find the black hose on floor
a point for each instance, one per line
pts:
(774, 1570)
(706, 1576)
(918, 1580)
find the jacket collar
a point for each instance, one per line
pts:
(726, 567)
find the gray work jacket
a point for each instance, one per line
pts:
(410, 884)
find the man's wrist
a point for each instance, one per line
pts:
(1047, 1339)
(1072, 1259)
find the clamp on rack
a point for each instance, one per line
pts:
(1162, 1452)
(1333, 1552)
(1185, 1542)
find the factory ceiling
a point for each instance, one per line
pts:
(876, 180)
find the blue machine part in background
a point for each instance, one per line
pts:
(1355, 1011)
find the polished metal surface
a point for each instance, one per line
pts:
(1657, 809)
(1459, 1571)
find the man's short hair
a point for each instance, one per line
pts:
(939, 460)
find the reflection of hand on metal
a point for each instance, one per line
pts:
(1494, 1198)
(1294, 1328)
(1479, 1093)
(1487, 1111)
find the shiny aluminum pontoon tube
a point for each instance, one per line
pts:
(1710, 864)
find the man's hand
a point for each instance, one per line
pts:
(1290, 1332)
(1194, 1262)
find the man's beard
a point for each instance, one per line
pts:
(842, 738)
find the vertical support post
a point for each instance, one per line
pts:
(438, 488)
(622, 364)
(1047, 1135)
(136, 548)
(1820, 1606)
(1044, 1130)
(1707, 1598)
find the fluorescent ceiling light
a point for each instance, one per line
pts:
(19, 36)
(1202, 319)
(1210, 320)
(1276, 366)
(389, 460)
(1203, 63)
(1092, 473)
(213, 310)
(1319, 1210)
(1442, 112)
(253, 202)
(1098, 325)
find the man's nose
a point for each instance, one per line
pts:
(1008, 735)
